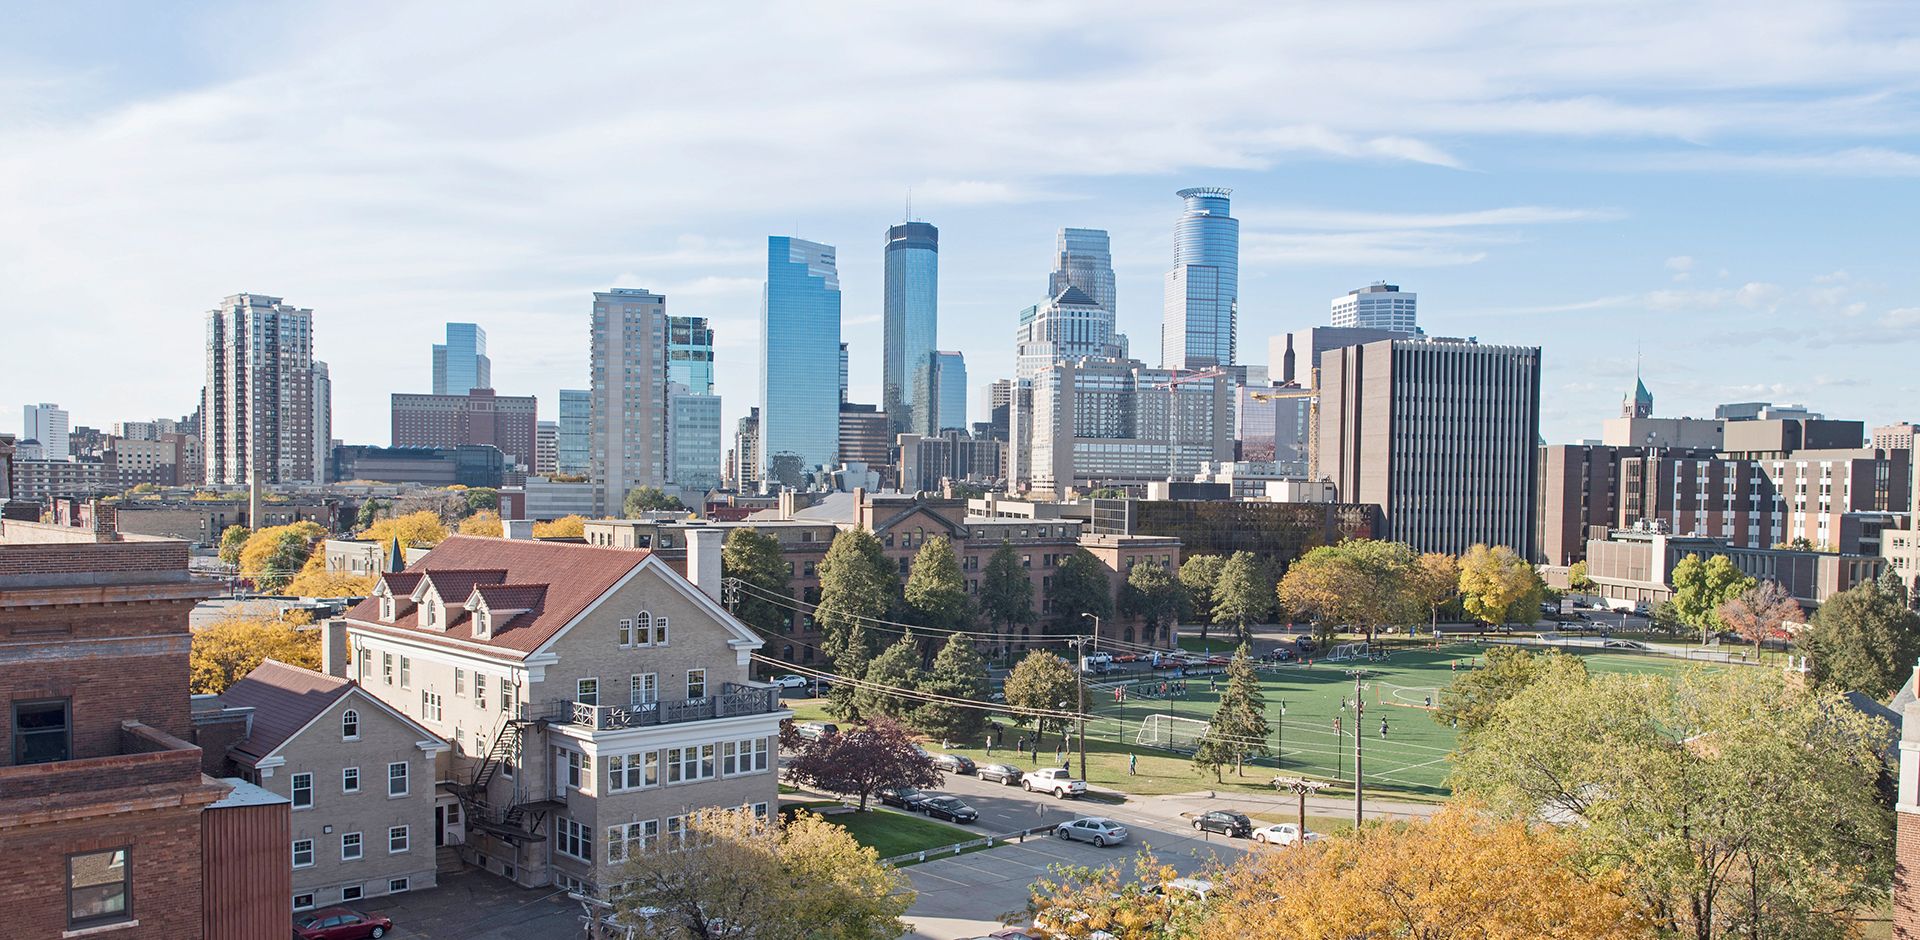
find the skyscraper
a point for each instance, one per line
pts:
(693, 439)
(800, 348)
(944, 378)
(911, 316)
(47, 423)
(843, 373)
(575, 446)
(1377, 306)
(1101, 421)
(629, 369)
(258, 410)
(460, 365)
(746, 452)
(1083, 258)
(1069, 326)
(546, 448)
(322, 422)
(1202, 302)
(690, 354)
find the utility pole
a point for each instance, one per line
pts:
(1280, 737)
(1359, 736)
(1080, 692)
(1339, 751)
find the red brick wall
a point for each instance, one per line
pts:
(1906, 878)
(105, 690)
(165, 857)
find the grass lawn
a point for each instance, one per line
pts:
(891, 833)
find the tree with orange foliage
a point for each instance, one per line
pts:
(232, 647)
(485, 522)
(565, 527)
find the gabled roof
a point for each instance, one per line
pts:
(456, 584)
(574, 576)
(284, 700)
(401, 583)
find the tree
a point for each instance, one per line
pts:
(1892, 585)
(231, 647)
(958, 672)
(565, 527)
(1006, 593)
(273, 555)
(643, 499)
(1243, 594)
(1732, 800)
(486, 523)
(753, 559)
(1471, 701)
(732, 874)
(1577, 578)
(1700, 587)
(483, 499)
(857, 585)
(1862, 640)
(1760, 613)
(936, 595)
(860, 761)
(1364, 583)
(1434, 580)
(1199, 574)
(1496, 583)
(1153, 594)
(1042, 682)
(1080, 902)
(1080, 586)
(232, 538)
(1239, 726)
(1456, 876)
(1106, 492)
(314, 580)
(422, 529)
(898, 666)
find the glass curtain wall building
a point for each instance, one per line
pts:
(945, 380)
(460, 365)
(911, 318)
(1203, 290)
(1083, 258)
(800, 347)
(690, 354)
(575, 453)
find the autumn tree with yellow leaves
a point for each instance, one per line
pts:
(565, 527)
(421, 529)
(232, 647)
(485, 522)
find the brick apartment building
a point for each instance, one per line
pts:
(109, 825)
(507, 422)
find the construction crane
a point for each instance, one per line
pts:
(1172, 385)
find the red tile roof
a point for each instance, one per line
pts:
(574, 576)
(284, 699)
(456, 584)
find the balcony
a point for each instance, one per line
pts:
(734, 699)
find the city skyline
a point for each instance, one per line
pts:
(1589, 201)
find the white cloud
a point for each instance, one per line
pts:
(1681, 266)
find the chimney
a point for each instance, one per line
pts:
(703, 558)
(787, 504)
(521, 529)
(333, 647)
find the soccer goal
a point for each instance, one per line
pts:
(1406, 696)
(1341, 652)
(1171, 732)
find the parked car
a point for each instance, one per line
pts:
(1224, 821)
(999, 773)
(790, 681)
(904, 797)
(1054, 780)
(1283, 834)
(815, 730)
(948, 808)
(953, 763)
(340, 923)
(1304, 644)
(1094, 829)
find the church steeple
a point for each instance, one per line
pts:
(1639, 404)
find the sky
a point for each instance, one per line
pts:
(1721, 195)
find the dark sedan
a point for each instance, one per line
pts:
(903, 797)
(1225, 822)
(948, 808)
(953, 763)
(1000, 773)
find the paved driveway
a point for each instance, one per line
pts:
(472, 905)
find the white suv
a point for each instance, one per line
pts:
(1054, 780)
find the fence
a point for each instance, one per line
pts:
(959, 847)
(1630, 647)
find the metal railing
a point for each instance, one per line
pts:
(959, 847)
(733, 699)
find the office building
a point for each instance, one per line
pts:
(928, 461)
(910, 318)
(1634, 568)
(800, 345)
(1895, 436)
(322, 419)
(576, 432)
(460, 365)
(46, 423)
(1442, 435)
(864, 436)
(1070, 325)
(258, 411)
(693, 439)
(546, 448)
(629, 407)
(1117, 422)
(1083, 258)
(471, 465)
(1377, 306)
(943, 380)
(1201, 305)
(690, 354)
(479, 416)
(843, 373)
(1762, 411)
(1275, 425)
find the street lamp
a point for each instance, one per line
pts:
(1080, 692)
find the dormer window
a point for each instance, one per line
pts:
(429, 612)
(386, 608)
(482, 623)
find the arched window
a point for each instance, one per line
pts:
(350, 725)
(642, 628)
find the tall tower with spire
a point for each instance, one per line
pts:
(1638, 404)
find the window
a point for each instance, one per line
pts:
(303, 902)
(480, 690)
(365, 660)
(397, 779)
(676, 831)
(99, 888)
(696, 683)
(350, 725)
(399, 839)
(41, 732)
(659, 631)
(572, 839)
(643, 689)
(587, 691)
(693, 762)
(397, 885)
(303, 853)
(459, 681)
(508, 694)
(426, 612)
(406, 673)
(630, 838)
(386, 608)
(386, 667)
(349, 846)
(633, 771)
(626, 632)
(350, 780)
(430, 706)
(579, 770)
(743, 757)
(643, 629)
(352, 893)
(302, 791)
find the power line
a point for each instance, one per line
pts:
(875, 623)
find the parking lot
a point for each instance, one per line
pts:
(471, 905)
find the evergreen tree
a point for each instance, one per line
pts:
(898, 666)
(1239, 727)
(1080, 586)
(1199, 574)
(958, 672)
(935, 594)
(1006, 593)
(1891, 585)
(1243, 594)
(1153, 594)
(856, 585)
(753, 558)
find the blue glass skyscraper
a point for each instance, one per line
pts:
(1203, 289)
(575, 451)
(800, 359)
(944, 377)
(690, 353)
(460, 365)
(911, 319)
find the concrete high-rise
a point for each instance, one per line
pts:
(258, 410)
(690, 354)
(629, 371)
(1116, 421)
(546, 448)
(47, 423)
(575, 453)
(1442, 435)
(460, 365)
(910, 320)
(1202, 301)
(944, 380)
(1083, 258)
(746, 452)
(800, 349)
(322, 421)
(1377, 306)
(693, 439)
(1069, 326)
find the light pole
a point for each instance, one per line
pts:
(1080, 692)
(1359, 735)
(1280, 737)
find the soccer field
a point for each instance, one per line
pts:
(1317, 733)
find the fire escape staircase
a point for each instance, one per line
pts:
(522, 821)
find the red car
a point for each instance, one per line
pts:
(340, 923)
